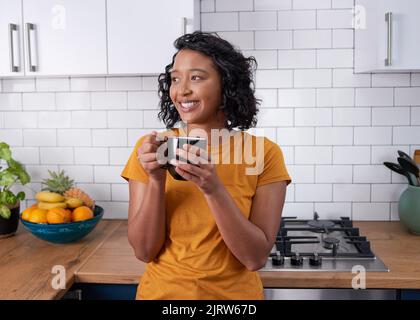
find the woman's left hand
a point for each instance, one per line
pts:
(202, 172)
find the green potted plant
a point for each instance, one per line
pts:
(10, 202)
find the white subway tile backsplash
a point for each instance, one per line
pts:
(13, 137)
(334, 58)
(98, 191)
(299, 210)
(39, 138)
(415, 116)
(56, 155)
(109, 100)
(313, 155)
(334, 174)
(302, 174)
(266, 59)
(273, 39)
(390, 116)
(10, 101)
(406, 135)
(386, 153)
(114, 209)
(372, 135)
(390, 80)
(351, 155)
(18, 85)
(313, 117)
(351, 192)
(346, 78)
(109, 137)
(312, 39)
(310, 78)
(88, 119)
(150, 83)
(374, 97)
(92, 156)
(330, 210)
(288, 154)
(243, 40)
(371, 174)
(54, 119)
(335, 97)
(296, 98)
(107, 174)
(394, 216)
(296, 59)
(25, 155)
(119, 192)
(269, 117)
(258, 20)
(387, 192)
(295, 136)
(334, 136)
(370, 211)
(220, 21)
(38, 101)
(274, 79)
(125, 119)
(73, 101)
(343, 4)
(342, 38)
(74, 137)
(415, 79)
(334, 19)
(123, 83)
(20, 119)
(273, 4)
(268, 97)
(150, 120)
(291, 20)
(351, 116)
(119, 156)
(52, 84)
(407, 96)
(143, 100)
(207, 5)
(311, 4)
(234, 5)
(88, 84)
(313, 192)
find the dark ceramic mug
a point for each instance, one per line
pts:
(175, 143)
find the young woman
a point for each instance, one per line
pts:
(204, 238)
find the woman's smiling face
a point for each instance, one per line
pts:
(196, 88)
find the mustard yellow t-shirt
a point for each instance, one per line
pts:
(195, 263)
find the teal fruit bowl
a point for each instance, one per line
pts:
(64, 232)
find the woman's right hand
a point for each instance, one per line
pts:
(147, 155)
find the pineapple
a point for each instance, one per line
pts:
(80, 194)
(58, 182)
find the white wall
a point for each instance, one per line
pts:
(335, 127)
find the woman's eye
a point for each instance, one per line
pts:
(174, 79)
(195, 77)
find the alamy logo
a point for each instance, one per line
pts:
(359, 280)
(59, 280)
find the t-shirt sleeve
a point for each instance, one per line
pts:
(133, 169)
(274, 167)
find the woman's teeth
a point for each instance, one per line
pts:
(188, 106)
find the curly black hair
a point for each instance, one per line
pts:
(238, 100)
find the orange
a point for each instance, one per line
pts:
(38, 216)
(58, 215)
(27, 212)
(82, 213)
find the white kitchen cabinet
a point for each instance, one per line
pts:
(141, 33)
(387, 36)
(11, 38)
(65, 37)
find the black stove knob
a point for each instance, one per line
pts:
(296, 260)
(278, 259)
(315, 260)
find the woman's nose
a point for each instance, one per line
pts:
(184, 88)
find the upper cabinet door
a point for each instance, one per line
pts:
(65, 37)
(386, 36)
(11, 38)
(141, 33)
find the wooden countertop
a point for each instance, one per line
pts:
(114, 262)
(105, 256)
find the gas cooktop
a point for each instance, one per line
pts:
(321, 245)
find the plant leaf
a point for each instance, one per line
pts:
(4, 211)
(5, 152)
(21, 196)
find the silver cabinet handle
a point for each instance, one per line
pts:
(30, 27)
(183, 25)
(13, 67)
(388, 19)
